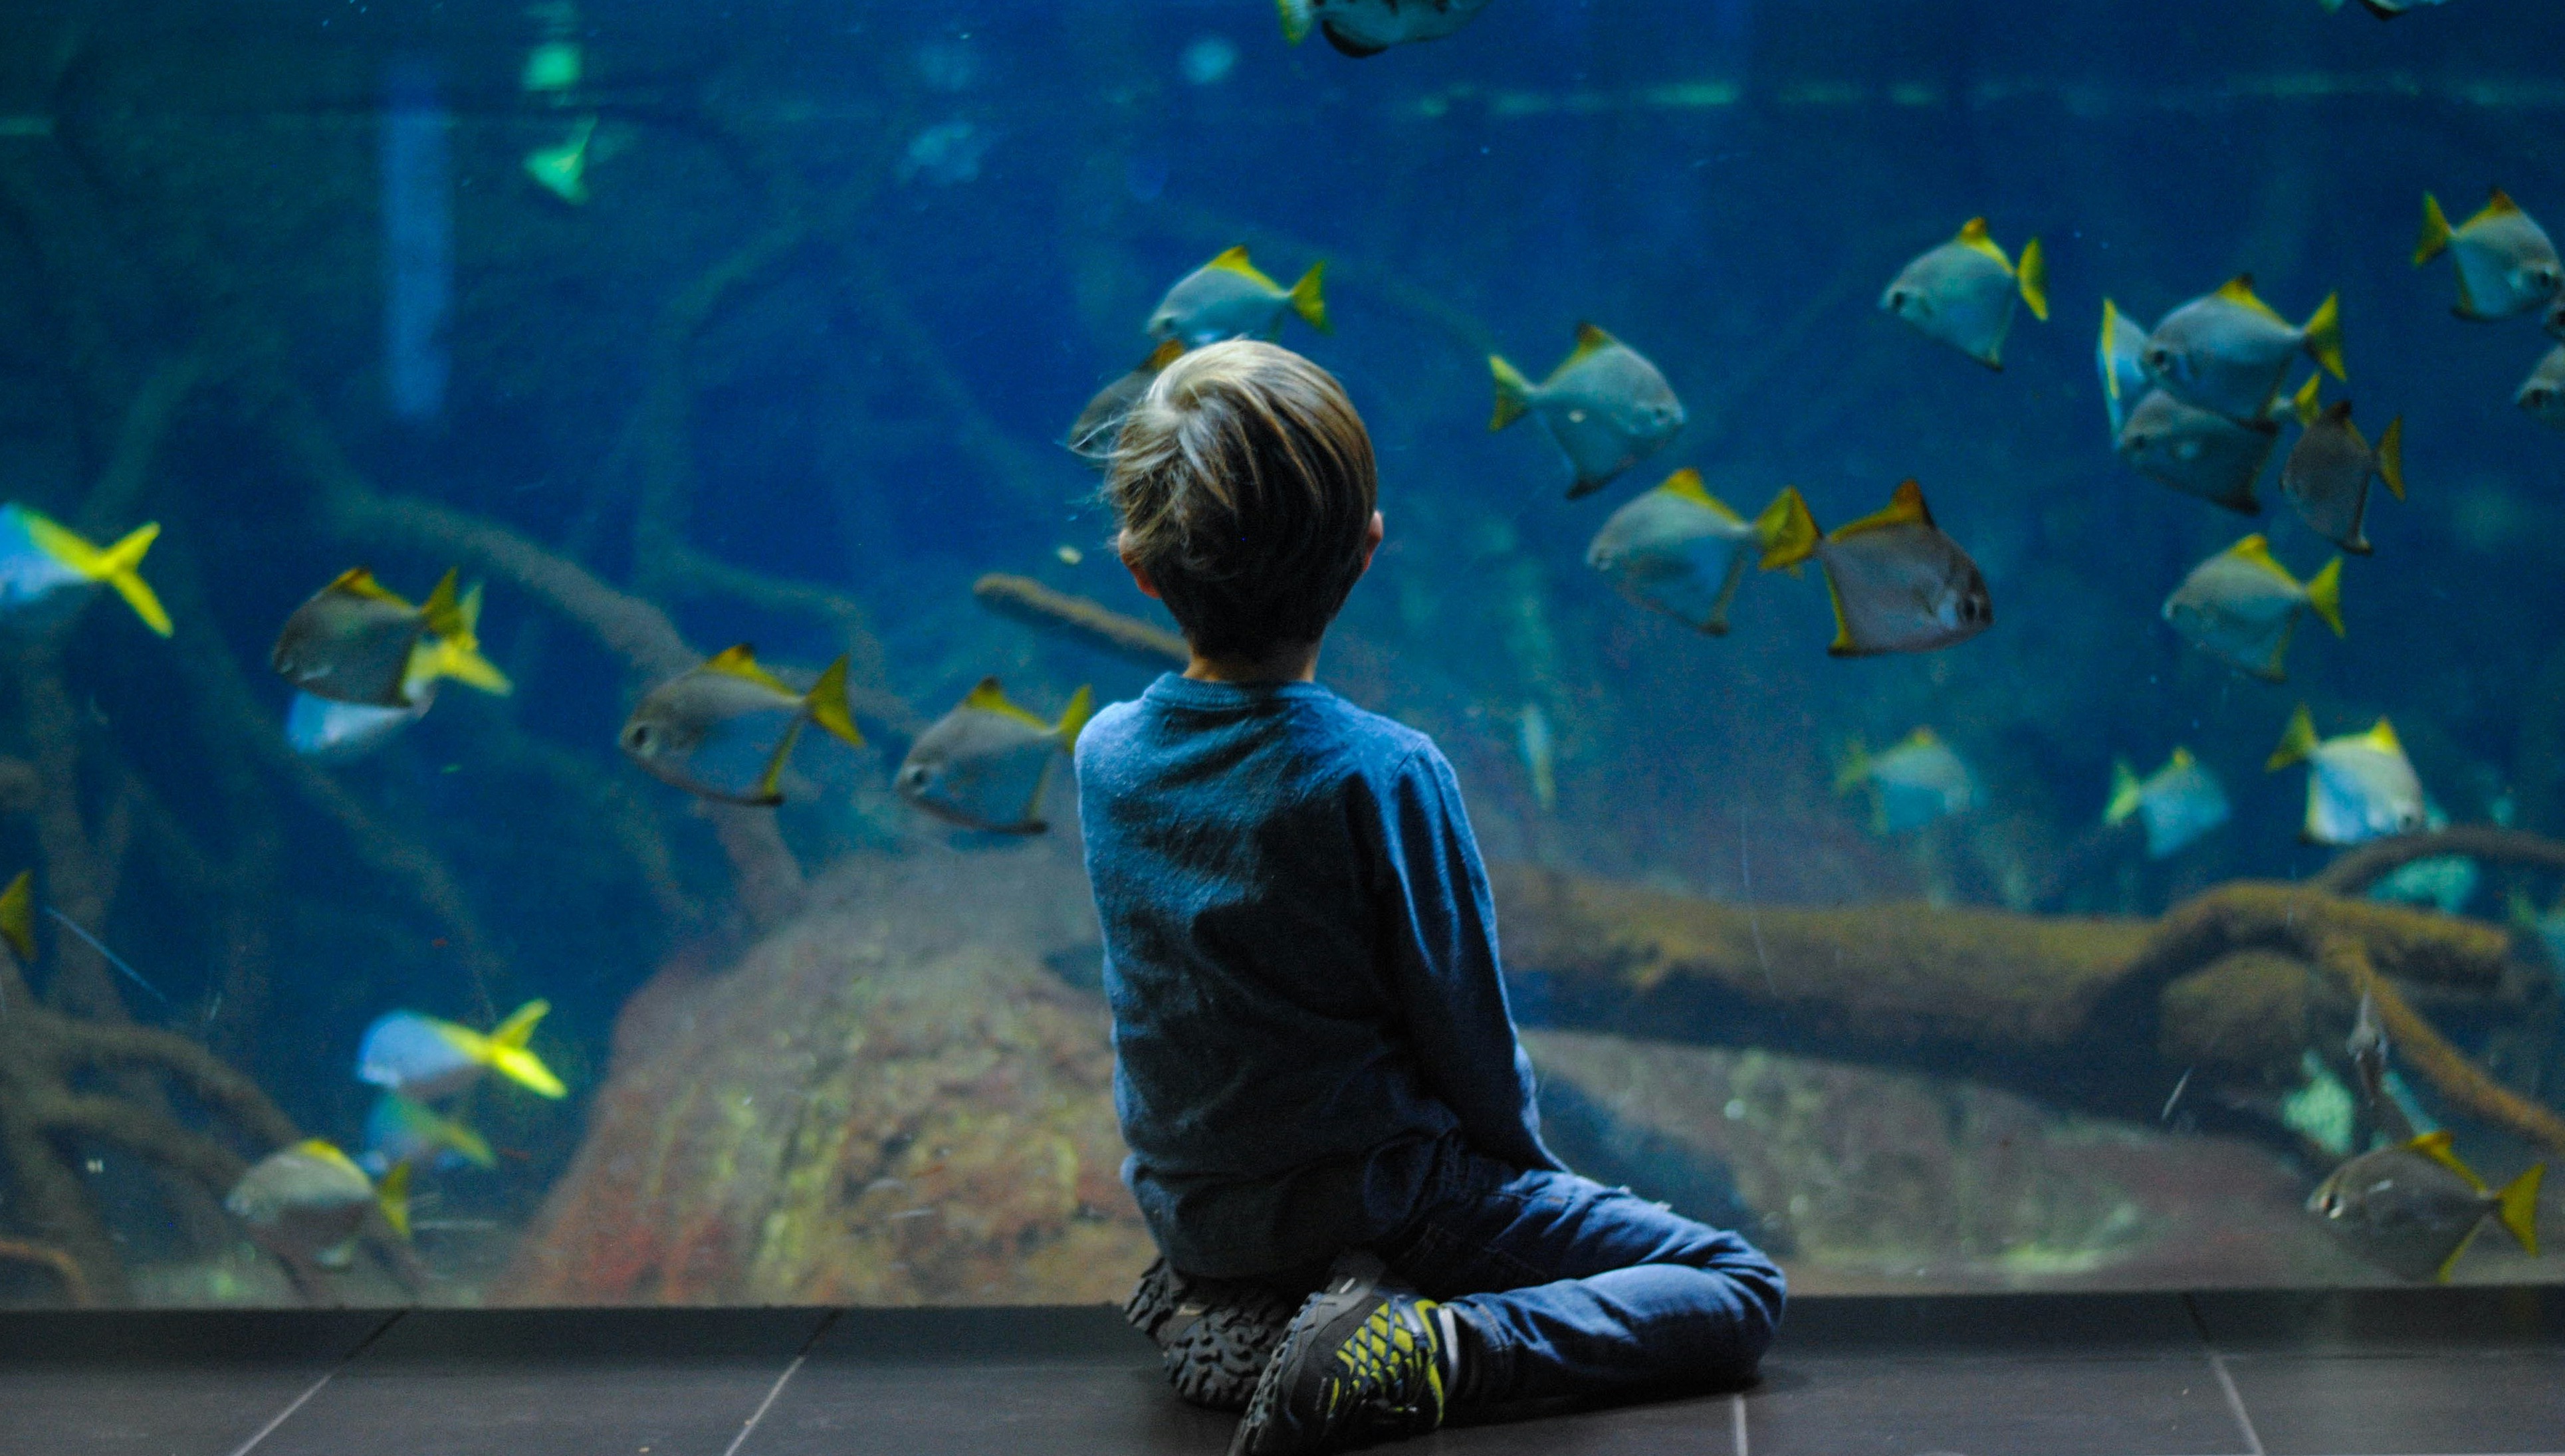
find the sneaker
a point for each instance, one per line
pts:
(1360, 1364)
(1214, 1337)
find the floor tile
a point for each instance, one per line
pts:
(2098, 1324)
(173, 1384)
(2404, 1405)
(1880, 1407)
(2377, 1320)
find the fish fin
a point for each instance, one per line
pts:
(2111, 321)
(770, 784)
(1974, 236)
(2180, 758)
(113, 566)
(1072, 719)
(1296, 19)
(1905, 507)
(2303, 403)
(2297, 741)
(2436, 1147)
(2324, 336)
(2124, 793)
(1234, 260)
(1514, 393)
(740, 660)
(827, 702)
(463, 662)
(1843, 644)
(1167, 352)
(988, 696)
(2324, 593)
(2032, 278)
(519, 1028)
(2442, 1274)
(393, 1195)
(2238, 291)
(1855, 769)
(2434, 236)
(1344, 46)
(1589, 339)
(474, 1148)
(2391, 455)
(1788, 531)
(1716, 623)
(2516, 1207)
(2382, 736)
(360, 581)
(1308, 302)
(2499, 203)
(527, 1070)
(442, 612)
(1922, 737)
(18, 917)
(1684, 485)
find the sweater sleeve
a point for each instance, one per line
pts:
(1440, 922)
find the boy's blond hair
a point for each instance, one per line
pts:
(1244, 484)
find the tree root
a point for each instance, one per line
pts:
(1029, 602)
(64, 1268)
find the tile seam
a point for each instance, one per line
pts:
(747, 1427)
(332, 1373)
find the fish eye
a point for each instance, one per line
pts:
(913, 776)
(639, 738)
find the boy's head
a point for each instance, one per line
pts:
(1245, 487)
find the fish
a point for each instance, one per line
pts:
(2197, 452)
(726, 730)
(303, 1201)
(1912, 784)
(561, 169)
(1961, 293)
(2504, 261)
(984, 764)
(358, 641)
(425, 1058)
(2227, 351)
(400, 1131)
(1605, 404)
(317, 728)
(47, 571)
(2178, 803)
(2360, 787)
(2415, 1207)
(2120, 353)
(2542, 394)
(1228, 297)
(1360, 28)
(1091, 437)
(1898, 583)
(2367, 1049)
(2242, 607)
(2326, 477)
(1680, 551)
(2386, 9)
(1532, 735)
(18, 917)
(2554, 319)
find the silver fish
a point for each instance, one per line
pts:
(2367, 1048)
(2505, 264)
(2242, 606)
(301, 1200)
(984, 764)
(2360, 787)
(2542, 394)
(726, 730)
(1091, 437)
(2227, 351)
(1229, 298)
(1605, 404)
(317, 728)
(2197, 452)
(1898, 583)
(2415, 1207)
(2326, 477)
(2120, 353)
(1680, 551)
(2176, 803)
(1912, 784)
(1961, 293)
(358, 641)
(1361, 27)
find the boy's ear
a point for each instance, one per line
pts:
(1372, 534)
(1139, 574)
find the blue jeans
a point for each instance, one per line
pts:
(1572, 1288)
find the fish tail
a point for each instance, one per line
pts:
(2305, 404)
(2324, 336)
(474, 1148)
(2297, 741)
(2436, 232)
(2124, 793)
(18, 917)
(393, 1195)
(2324, 593)
(827, 702)
(2391, 455)
(1855, 769)
(1297, 17)
(2031, 275)
(463, 662)
(114, 565)
(519, 1028)
(1308, 302)
(1072, 719)
(2516, 1207)
(527, 1070)
(1514, 392)
(454, 650)
(1788, 530)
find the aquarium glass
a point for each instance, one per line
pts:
(1940, 884)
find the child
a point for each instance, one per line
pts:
(1318, 1074)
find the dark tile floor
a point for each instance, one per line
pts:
(2422, 1372)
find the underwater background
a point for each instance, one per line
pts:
(678, 327)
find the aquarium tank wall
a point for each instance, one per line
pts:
(509, 503)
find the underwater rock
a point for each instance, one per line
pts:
(889, 1099)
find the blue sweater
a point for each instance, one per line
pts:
(1302, 959)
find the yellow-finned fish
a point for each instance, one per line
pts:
(1360, 28)
(1228, 297)
(1898, 583)
(358, 641)
(1913, 784)
(984, 764)
(1961, 293)
(1540, 754)
(2178, 803)
(2414, 1209)
(2241, 606)
(399, 1130)
(1605, 404)
(1092, 438)
(2227, 351)
(2360, 787)
(2542, 394)
(47, 570)
(2120, 351)
(1680, 551)
(18, 917)
(561, 169)
(2326, 477)
(425, 1058)
(305, 1201)
(2197, 452)
(726, 730)
(2505, 264)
